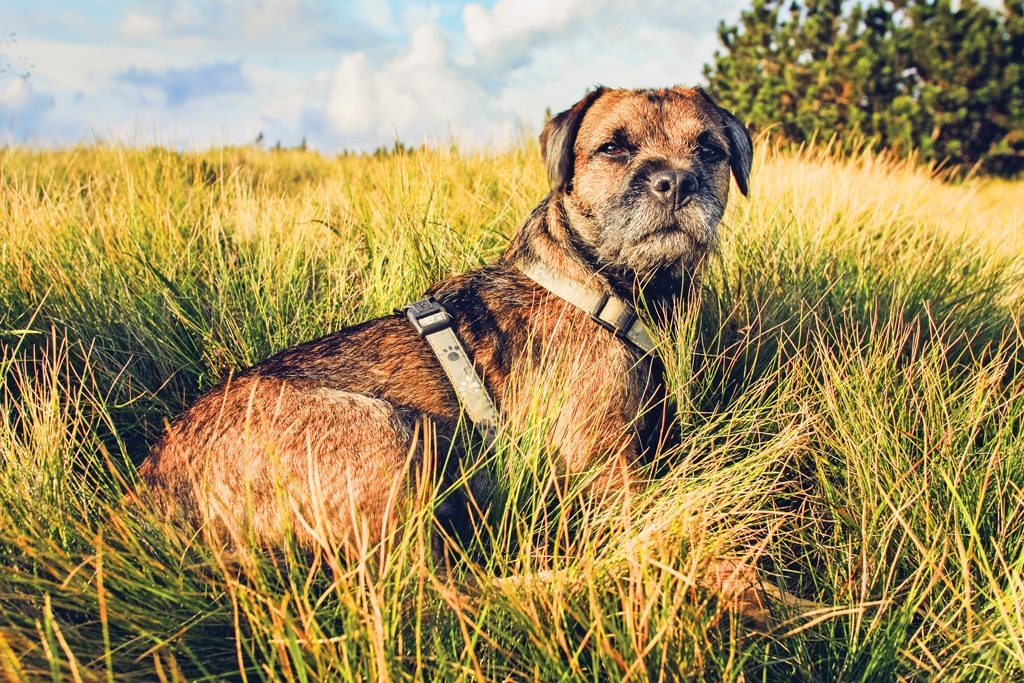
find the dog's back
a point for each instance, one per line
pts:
(293, 440)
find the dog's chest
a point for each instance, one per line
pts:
(585, 390)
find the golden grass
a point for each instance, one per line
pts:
(850, 397)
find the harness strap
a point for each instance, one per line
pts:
(434, 324)
(608, 311)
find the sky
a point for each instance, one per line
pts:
(341, 75)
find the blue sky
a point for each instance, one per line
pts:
(349, 75)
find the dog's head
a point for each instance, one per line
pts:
(644, 174)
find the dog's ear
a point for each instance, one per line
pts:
(559, 137)
(741, 147)
(741, 150)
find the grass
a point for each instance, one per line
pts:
(851, 397)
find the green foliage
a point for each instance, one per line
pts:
(937, 79)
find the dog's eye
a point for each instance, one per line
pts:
(612, 149)
(711, 153)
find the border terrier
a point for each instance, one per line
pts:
(639, 183)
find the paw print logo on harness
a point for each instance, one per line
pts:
(452, 352)
(467, 381)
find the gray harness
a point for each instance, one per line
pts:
(433, 323)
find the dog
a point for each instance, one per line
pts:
(639, 182)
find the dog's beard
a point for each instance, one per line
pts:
(643, 236)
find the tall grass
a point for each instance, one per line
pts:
(850, 393)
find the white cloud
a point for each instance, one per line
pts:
(504, 33)
(22, 109)
(376, 13)
(140, 26)
(159, 23)
(89, 67)
(246, 24)
(420, 95)
(99, 95)
(520, 57)
(181, 85)
(559, 74)
(509, 33)
(353, 75)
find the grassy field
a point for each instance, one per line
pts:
(851, 394)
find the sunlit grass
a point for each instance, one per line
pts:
(850, 393)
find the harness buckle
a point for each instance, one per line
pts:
(598, 309)
(427, 316)
(621, 324)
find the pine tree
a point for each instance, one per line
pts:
(929, 77)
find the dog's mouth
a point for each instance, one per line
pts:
(691, 221)
(642, 235)
(670, 228)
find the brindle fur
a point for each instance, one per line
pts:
(327, 433)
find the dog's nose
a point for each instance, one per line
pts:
(674, 188)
